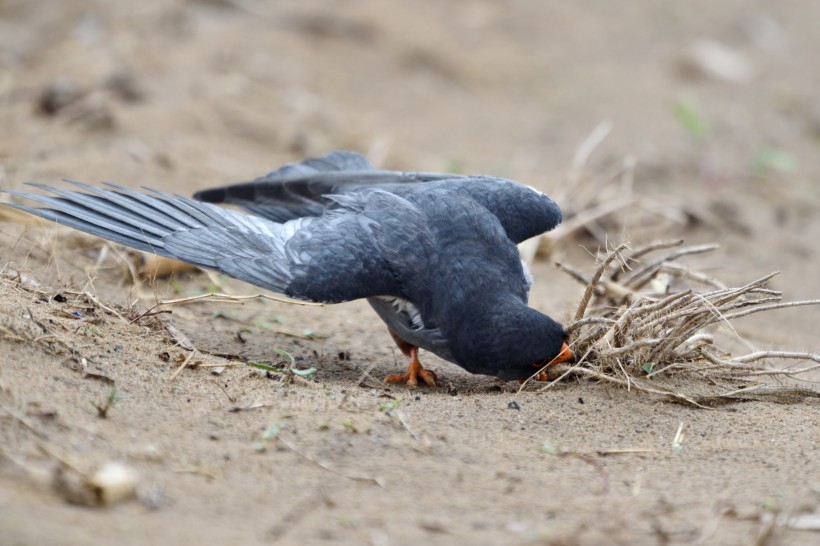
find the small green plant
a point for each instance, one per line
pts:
(308, 373)
(92, 330)
(350, 425)
(268, 435)
(550, 449)
(387, 407)
(774, 503)
(176, 286)
(770, 160)
(687, 111)
(112, 397)
(262, 324)
(290, 357)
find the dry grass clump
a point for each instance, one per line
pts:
(646, 322)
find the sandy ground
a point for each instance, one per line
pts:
(185, 95)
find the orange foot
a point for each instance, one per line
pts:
(543, 375)
(414, 372)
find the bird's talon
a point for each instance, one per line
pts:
(428, 377)
(415, 372)
(398, 378)
(412, 380)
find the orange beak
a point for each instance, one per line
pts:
(564, 355)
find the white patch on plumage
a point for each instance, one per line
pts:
(528, 280)
(289, 228)
(406, 308)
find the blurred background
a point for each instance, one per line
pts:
(705, 95)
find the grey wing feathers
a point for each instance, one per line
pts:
(292, 191)
(247, 248)
(302, 189)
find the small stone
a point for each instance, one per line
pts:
(114, 482)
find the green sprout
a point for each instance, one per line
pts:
(387, 407)
(350, 425)
(308, 373)
(773, 160)
(112, 397)
(688, 114)
(271, 433)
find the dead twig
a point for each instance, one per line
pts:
(183, 365)
(219, 298)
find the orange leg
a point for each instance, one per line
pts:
(415, 371)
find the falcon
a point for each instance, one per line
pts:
(433, 253)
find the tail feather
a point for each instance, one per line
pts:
(97, 220)
(247, 248)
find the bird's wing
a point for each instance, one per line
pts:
(330, 259)
(307, 189)
(302, 189)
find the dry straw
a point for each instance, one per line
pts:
(648, 323)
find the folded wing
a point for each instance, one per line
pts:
(307, 189)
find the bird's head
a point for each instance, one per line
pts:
(511, 341)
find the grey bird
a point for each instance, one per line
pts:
(434, 253)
